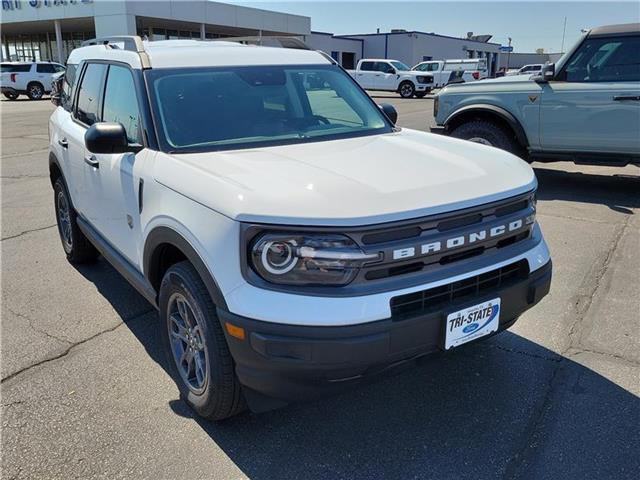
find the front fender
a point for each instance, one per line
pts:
(504, 114)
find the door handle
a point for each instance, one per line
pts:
(92, 161)
(63, 143)
(621, 98)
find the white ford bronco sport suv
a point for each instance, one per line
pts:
(292, 238)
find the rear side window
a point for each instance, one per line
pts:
(15, 68)
(89, 94)
(367, 66)
(66, 95)
(45, 68)
(120, 102)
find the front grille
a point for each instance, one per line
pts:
(425, 301)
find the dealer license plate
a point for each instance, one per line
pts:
(471, 323)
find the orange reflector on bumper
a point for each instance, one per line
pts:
(234, 331)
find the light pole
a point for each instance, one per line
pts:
(508, 55)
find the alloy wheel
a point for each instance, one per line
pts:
(188, 344)
(64, 220)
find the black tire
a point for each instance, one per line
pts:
(77, 247)
(35, 91)
(421, 94)
(220, 396)
(406, 89)
(488, 133)
(10, 95)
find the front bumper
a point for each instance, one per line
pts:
(283, 363)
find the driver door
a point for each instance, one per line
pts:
(114, 180)
(387, 78)
(593, 105)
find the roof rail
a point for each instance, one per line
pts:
(132, 43)
(268, 41)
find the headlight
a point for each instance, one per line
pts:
(307, 259)
(425, 78)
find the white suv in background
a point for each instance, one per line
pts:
(31, 79)
(294, 240)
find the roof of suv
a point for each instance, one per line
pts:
(623, 28)
(197, 53)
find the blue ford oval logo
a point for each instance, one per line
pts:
(470, 328)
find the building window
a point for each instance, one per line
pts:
(335, 55)
(426, 58)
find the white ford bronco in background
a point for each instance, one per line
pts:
(294, 240)
(391, 76)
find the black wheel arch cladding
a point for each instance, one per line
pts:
(160, 236)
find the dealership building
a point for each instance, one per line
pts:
(50, 29)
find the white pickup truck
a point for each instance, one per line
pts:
(445, 72)
(391, 76)
(31, 78)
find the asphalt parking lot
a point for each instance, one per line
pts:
(85, 393)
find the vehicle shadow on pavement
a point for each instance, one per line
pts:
(504, 408)
(618, 192)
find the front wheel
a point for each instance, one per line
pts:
(10, 95)
(194, 342)
(407, 89)
(35, 91)
(488, 133)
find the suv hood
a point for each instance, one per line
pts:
(347, 182)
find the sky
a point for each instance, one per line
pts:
(531, 25)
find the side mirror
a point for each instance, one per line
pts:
(547, 73)
(390, 111)
(392, 71)
(106, 137)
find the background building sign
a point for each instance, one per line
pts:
(17, 4)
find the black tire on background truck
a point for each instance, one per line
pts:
(406, 89)
(35, 91)
(195, 345)
(76, 246)
(10, 95)
(488, 132)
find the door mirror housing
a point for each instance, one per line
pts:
(390, 111)
(107, 137)
(547, 73)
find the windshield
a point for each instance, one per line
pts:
(399, 65)
(202, 109)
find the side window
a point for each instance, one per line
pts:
(66, 94)
(89, 94)
(605, 60)
(367, 66)
(383, 67)
(120, 102)
(45, 68)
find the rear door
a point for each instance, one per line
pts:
(366, 75)
(594, 103)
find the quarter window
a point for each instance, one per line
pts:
(89, 95)
(120, 102)
(605, 60)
